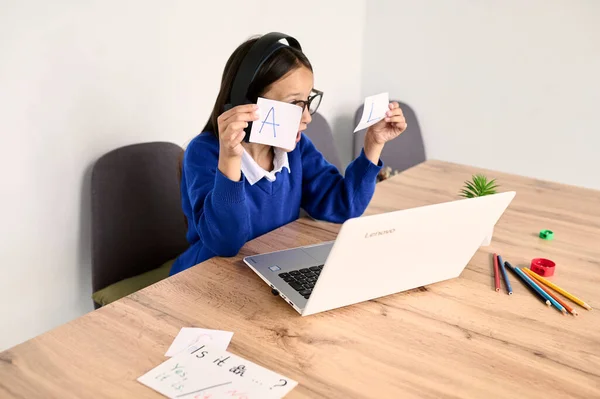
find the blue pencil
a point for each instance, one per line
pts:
(544, 293)
(526, 284)
(505, 275)
(540, 291)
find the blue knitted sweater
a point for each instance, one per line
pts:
(223, 215)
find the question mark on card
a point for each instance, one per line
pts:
(282, 385)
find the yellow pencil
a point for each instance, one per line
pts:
(549, 291)
(558, 289)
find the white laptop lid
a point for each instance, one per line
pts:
(384, 254)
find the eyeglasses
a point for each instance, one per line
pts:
(313, 102)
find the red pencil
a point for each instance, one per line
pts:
(496, 273)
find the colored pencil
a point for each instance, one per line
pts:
(560, 290)
(541, 291)
(529, 286)
(505, 275)
(549, 292)
(496, 273)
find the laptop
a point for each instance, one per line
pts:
(379, 255)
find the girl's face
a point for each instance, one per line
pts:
(295, 86)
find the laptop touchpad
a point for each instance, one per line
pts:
(319, 252)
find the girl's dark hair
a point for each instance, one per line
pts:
(274, 68)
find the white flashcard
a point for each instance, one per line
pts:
(374, 110)
(189, 336)
(207, 372)
(278, 124)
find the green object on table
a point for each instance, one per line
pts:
(547, 235)
(130, 285)
(479, 186)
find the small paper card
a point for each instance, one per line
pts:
(278, 124)
(189, 336)
(374, 110)
(206, 372)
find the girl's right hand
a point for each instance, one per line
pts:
(231, 125)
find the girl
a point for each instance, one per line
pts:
(233, 191)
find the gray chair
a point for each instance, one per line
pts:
(321, 135)
(319, 132)
(405, 151)
(137, 221)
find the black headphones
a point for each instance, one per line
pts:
(260, 51)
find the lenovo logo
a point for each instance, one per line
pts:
(379, 233)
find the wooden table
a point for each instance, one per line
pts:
(453, 339)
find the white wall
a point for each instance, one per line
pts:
(488, 80)
(491, 80)
(78, 79)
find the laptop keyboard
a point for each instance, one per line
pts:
(302, 280)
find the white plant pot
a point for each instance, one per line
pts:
(488, 239)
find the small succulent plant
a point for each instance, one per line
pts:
(478, 187)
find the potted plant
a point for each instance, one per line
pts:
(478, 186)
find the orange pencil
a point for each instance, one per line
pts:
(560, 290)
(549, 292)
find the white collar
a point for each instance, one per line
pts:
(253, 172)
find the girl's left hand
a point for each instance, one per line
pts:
(388, 128)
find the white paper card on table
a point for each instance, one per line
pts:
(374, 110)
(207, 372)
(189, 336)
(278, 124)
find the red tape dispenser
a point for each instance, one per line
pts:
(543, 267)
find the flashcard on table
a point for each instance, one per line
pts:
(374, 110)
(278, 124)
(189, 336)
(206, 372)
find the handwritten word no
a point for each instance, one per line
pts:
(233, 394)
(273, 124)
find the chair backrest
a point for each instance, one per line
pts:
(137, 220)
(405, 151)
(321, 135)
